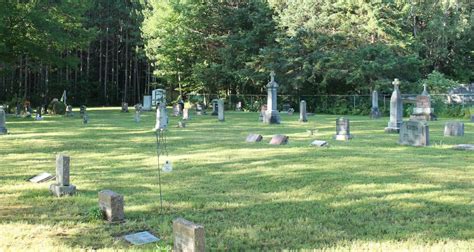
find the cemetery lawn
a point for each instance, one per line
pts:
(366, 194)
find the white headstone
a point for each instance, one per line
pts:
(303, 114)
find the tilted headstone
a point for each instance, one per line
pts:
(396, 109)
(161, 118)
(186, 114)
(272, 116)
(375, 112)
(188, 236)
(253, 138)
(141, 238)
(319, 143)
(279, 140)
(454, 129)
(303, 114)
(62, 185)
(415, 133)
(3, 121)
(111, 204)
(343, 132)
(214, 107)
(147, 102)
(125, 107)
(263, 109)
(176, 110)
(220, 110)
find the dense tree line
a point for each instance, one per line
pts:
(107, 51)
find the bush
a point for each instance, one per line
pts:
(57, 108)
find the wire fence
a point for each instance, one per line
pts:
(443, 104)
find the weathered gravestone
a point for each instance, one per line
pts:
(415, 133)
(161, 118)
(147, 102)
(423, 110)
(124, 107)
(188, 236)
(279, 140)
(220, 110)
(186, 114)
(42, 177)
(111, 204)
(454, 129)
(375, 112)
(263, 109)
(303, 114)
(253, 138)
(319, 143)
(214, 107)
(272, 116)
(62, 185)
(396, 109)
(3, 120)
(343, 132)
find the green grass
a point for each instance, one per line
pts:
(366, 194)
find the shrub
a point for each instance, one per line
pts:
(57, 108)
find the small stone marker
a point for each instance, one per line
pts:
(214, 107)
(319, 143)
(468, 147)
(3, 119)
(62, 186)
(185, 114)
(342, 129)
(414, 133)
(220, 110)
(42, 177)
(85, 119)
(188, 236)
(454, 129)
(253, 138)
(111, 203)
(303, 114)
(125, 107)
(141, 238)
(279, 140)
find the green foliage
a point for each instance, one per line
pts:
(57, 107)
(94, 214)
(438, 83)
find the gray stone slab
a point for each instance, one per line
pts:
(414, 133)
(319, 143)
(272, 116)
(467, 147)
(141, 238)
(112, 204)
(252, 138)
(188, 236)
(42, 177)
(454, 129)
(343, 132)
(279, 140)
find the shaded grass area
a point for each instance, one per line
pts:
(368, 193)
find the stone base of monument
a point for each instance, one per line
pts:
(343, 137)
(271, 117)
(3, 131)
(392, 130)
(59, 190)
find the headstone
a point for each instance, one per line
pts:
(375, 112)
(158, 96)
(161, 118)
(62, 185)
(263, 109)
(423, 110)
(69, 111)
(468, 147)
(319, 143)
(290, 111)
(343, 132)
(147, 102)
(42, 177)
(188, 236)
(125, 107)
(214, 107)
(271, 115)
(199, 109)
(220, 110)
(186, 114)
(138, 112)
(3, 121)
(396, 109)
(238, 106)
(253, 138)
(141, 238)
(415, 133)
(303, 114)
(176, 111)
(181, 124)
(454, 129)
(111, 204)
(85, 119)
(82, 110)
(279, 140)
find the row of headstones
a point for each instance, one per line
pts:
(187, 235)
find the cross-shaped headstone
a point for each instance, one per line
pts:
(396, 83)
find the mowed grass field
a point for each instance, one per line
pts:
(365, 194)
